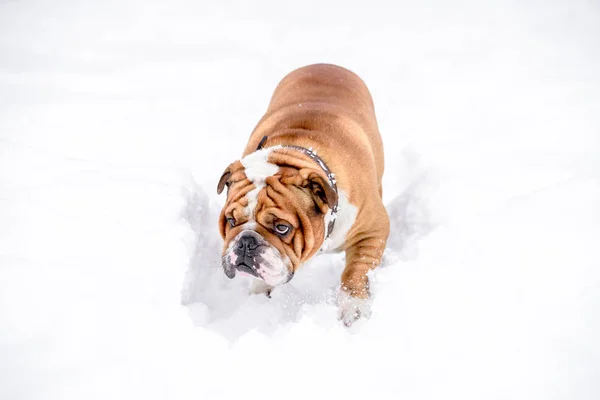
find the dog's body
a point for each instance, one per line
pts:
(319, 132)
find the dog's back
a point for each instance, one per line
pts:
(328, 84)
(326, 100)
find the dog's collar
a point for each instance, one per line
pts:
(330, 176)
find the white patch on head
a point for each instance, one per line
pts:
(249, 226)
(257, 169)
(252, 197)
(344, 220)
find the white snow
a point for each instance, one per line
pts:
(118, 118)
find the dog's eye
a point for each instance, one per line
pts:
(282, 229)
(231, 221)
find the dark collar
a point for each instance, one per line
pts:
(330, 176)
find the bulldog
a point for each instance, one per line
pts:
(309, 180)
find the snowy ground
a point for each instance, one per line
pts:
(117, 118)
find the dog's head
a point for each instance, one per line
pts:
(275, 216)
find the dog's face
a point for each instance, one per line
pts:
(274, 216)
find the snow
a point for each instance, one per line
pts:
(118, 118)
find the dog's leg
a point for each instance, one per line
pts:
(259, 286)
(353, 300)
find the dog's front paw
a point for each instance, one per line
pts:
(352, 308)
(259, 286)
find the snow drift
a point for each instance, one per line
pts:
(116, 121)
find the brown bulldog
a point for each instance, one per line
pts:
(309, 180)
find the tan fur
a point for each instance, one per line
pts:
(330, 110)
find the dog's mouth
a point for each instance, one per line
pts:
(247, 269)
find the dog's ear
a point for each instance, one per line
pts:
(322, 191)
(224, 181)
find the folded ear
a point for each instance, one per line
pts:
(224, 181)
(322, 191)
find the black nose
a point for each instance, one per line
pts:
(247, 243)
(246, 246)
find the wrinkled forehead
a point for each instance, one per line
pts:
(253, 197)
(256, 168)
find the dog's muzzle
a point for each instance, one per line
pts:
(250, 254)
